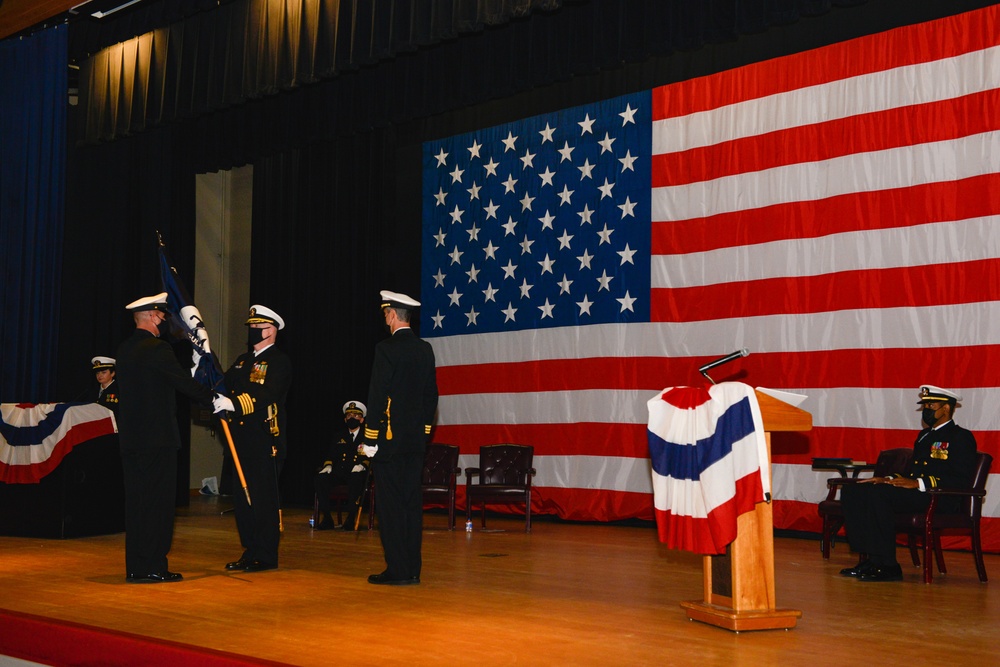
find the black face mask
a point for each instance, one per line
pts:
(927, 414)
(254, 336)
(352, 423)
(163, 327)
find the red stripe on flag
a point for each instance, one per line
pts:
(883, 130)
(574, 439)
(897, 367)
(932, 285)
(860, 443)
(572, 504)
(883, 209)
(589, 504)
(943, 38)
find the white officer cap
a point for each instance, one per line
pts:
(397, 300)
(929, 392)
(263, 315)
(355, 406)
(102, 363)
(155, 302)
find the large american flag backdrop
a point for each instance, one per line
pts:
(833, 211)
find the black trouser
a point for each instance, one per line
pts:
(258, 523)
(325, 482)
(400, 511)
(869, 517)
(150, 495)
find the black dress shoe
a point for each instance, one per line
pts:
(882, 573)
(858, 569)
(259, 566)
(386, 579)
(154, 578)
(240, 564)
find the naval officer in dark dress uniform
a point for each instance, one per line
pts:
(402, 401)
(346, 463)
(149, 437)
(256, 387)
(104, 371)
(944, 455)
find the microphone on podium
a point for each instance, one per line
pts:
(722, 360)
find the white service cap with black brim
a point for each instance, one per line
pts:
(263, 315)
(929, 392)
(102, 363)
(155, 302)
(397, 300)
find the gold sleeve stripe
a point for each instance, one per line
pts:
(246, 403)
(370, 434)
(427, 429)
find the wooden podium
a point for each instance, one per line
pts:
(739, 585)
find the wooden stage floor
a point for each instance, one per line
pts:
(567, 594)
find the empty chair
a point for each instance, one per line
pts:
(440, 475)
(504, 477)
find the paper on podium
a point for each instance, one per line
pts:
(795, 400)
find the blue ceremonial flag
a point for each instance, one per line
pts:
(187, 318)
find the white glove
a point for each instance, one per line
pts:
(358, 468)
(327, 469)
(221, 403)
(195, 360)
(369, 451)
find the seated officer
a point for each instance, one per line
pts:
(346, 463)
(104, 370)
(944, 455)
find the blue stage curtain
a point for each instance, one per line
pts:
(33, 100)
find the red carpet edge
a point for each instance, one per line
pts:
(54, 642)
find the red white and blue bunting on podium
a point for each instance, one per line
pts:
(34, 439)
(709, 457)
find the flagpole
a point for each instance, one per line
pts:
(193, 326)
(236, 459)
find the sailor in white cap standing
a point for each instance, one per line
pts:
(149, 437)
(402, 401)
(944, 455)
(256, 386)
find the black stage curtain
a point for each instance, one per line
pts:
(249, 49)
(336, 203)
(32, 190)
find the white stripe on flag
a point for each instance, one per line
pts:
(927, 327)
(932, 162)
(936, 243)
(875, 408)
(922, 83)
